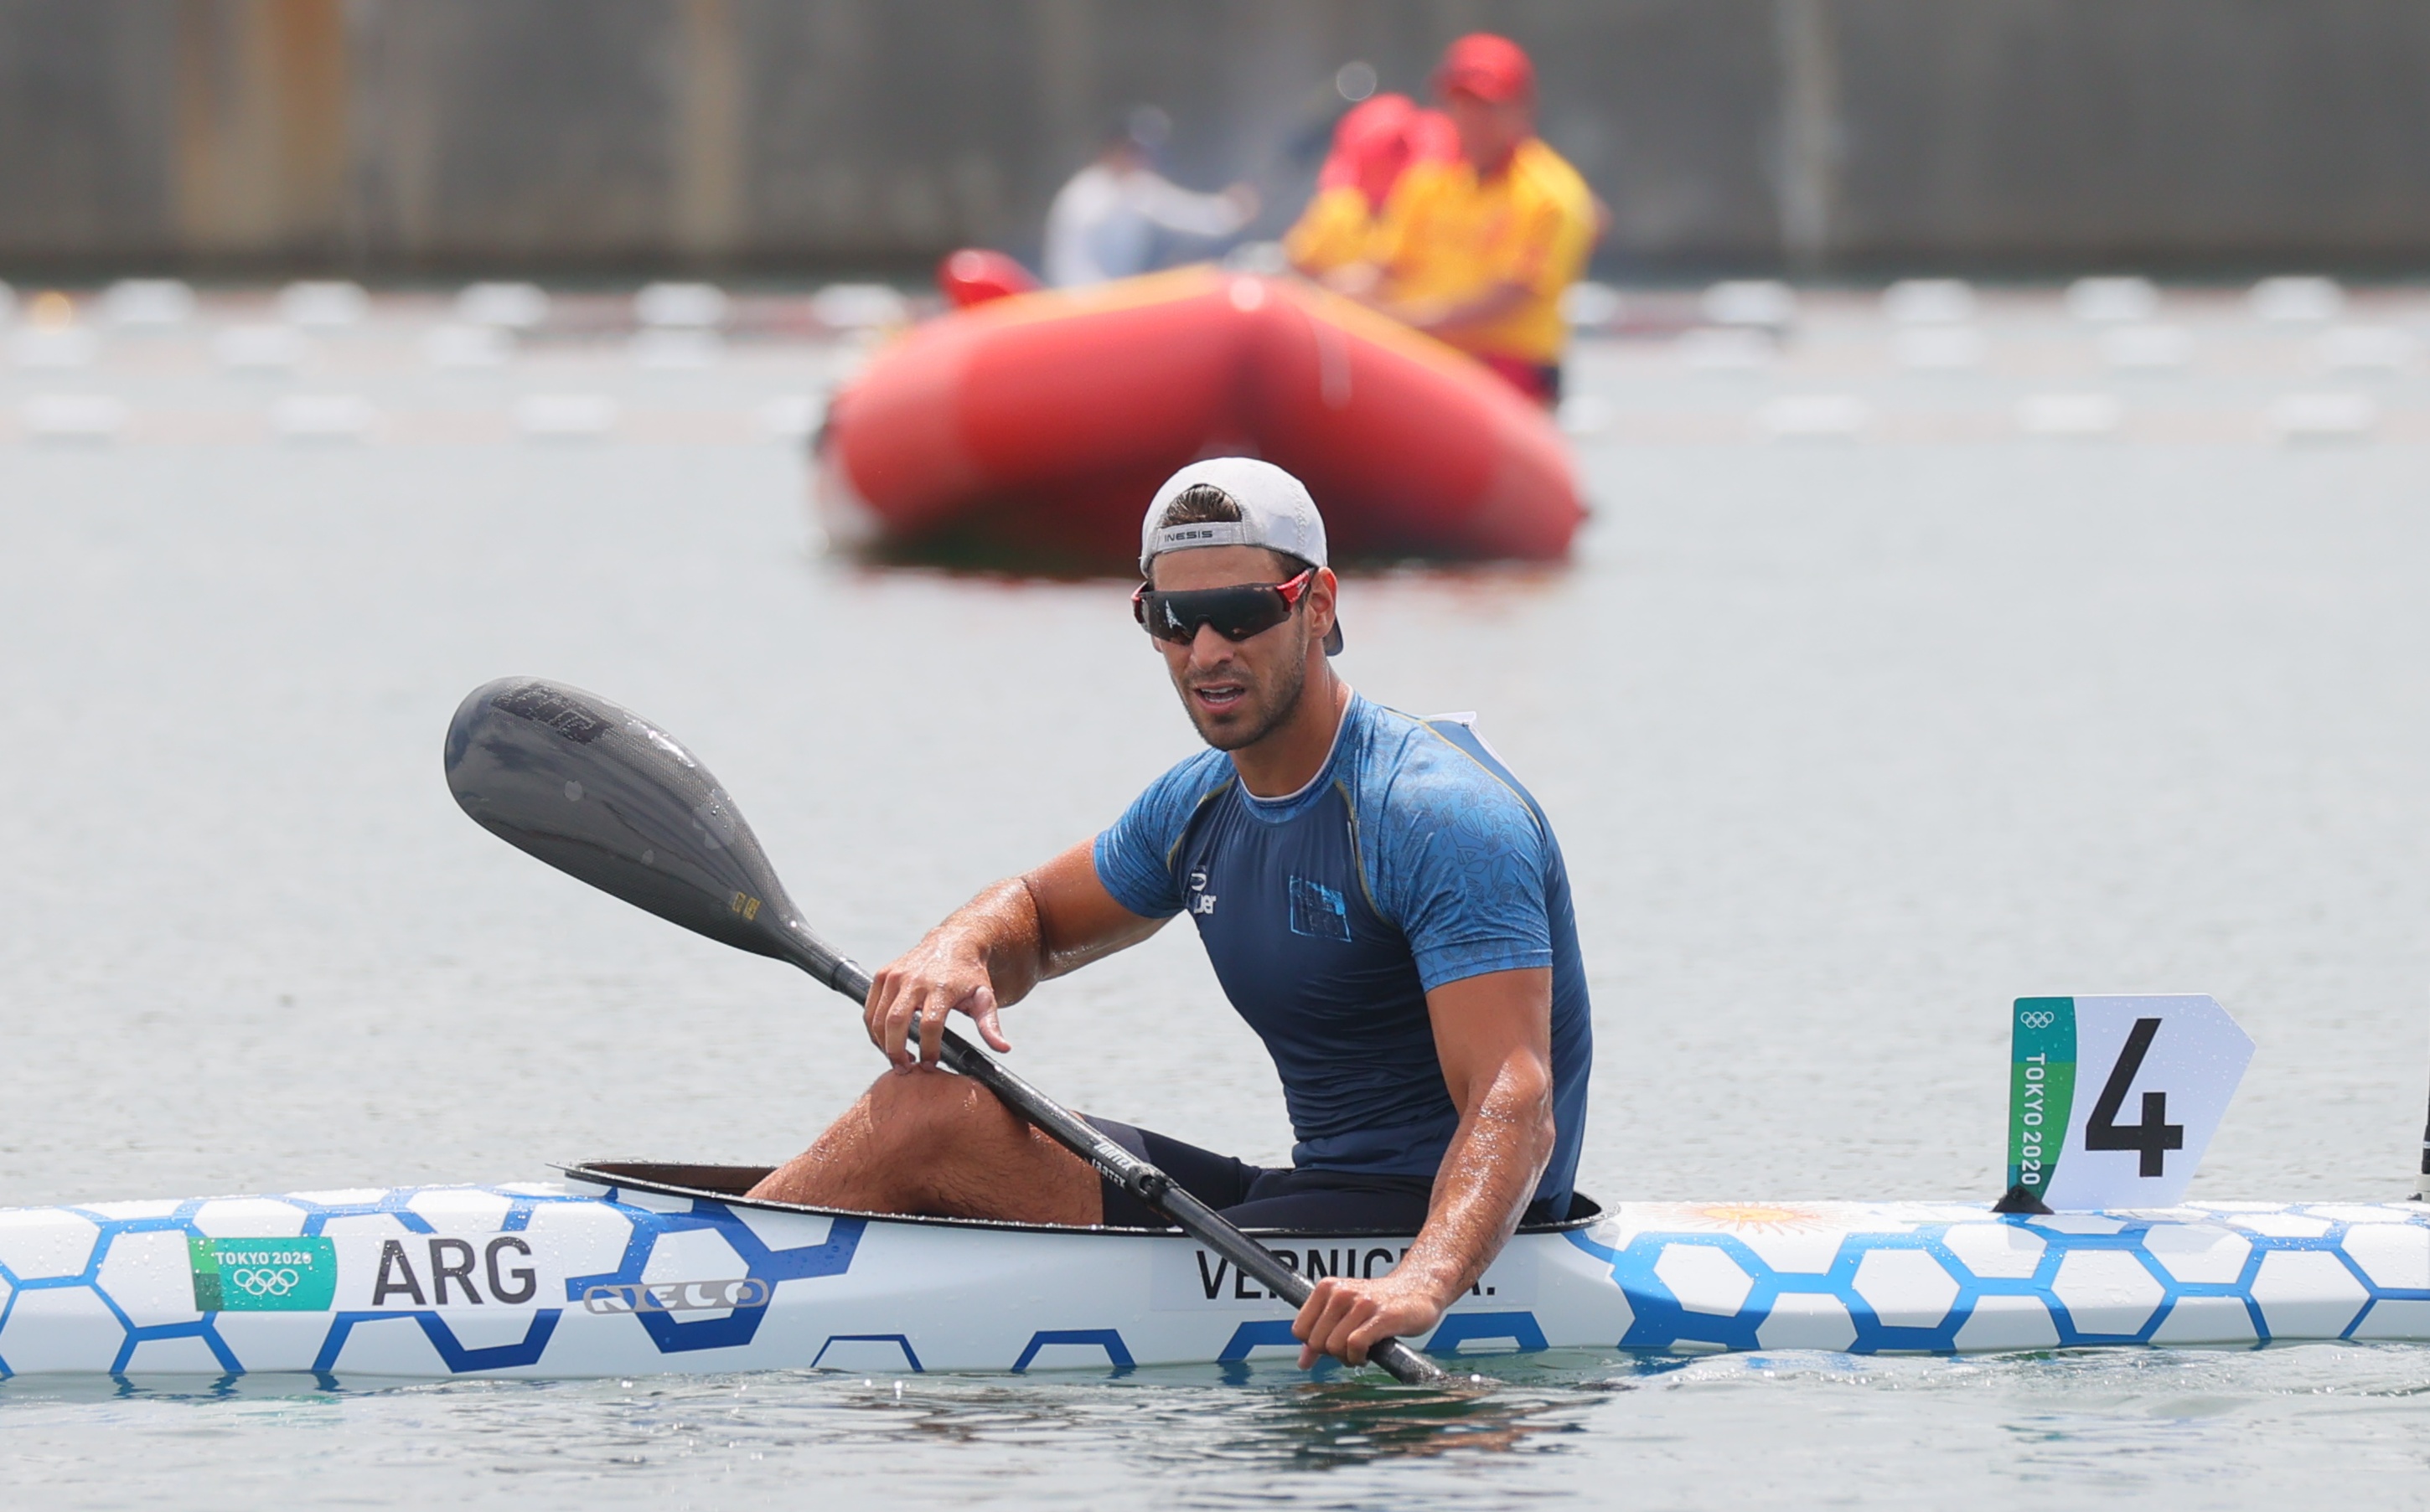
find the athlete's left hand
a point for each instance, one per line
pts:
(1345, 1318)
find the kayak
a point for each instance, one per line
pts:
(1038, 425)
(635, 1268)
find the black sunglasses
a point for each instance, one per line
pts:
(1237, 612)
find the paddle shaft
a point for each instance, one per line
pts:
(602, 794)
(1138, 1177)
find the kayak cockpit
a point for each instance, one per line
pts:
(727, 1183)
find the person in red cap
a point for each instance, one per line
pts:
(1374, 145)
(1477, 249)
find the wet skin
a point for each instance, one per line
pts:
(923, 1141)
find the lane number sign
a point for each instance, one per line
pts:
(2113, 1100)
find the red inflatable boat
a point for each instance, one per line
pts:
(1038, 425)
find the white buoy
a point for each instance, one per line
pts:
(1584, 414)
(467, 346)
(259, 347)
(694, 305)
(1726, 349)
(1762, 302)
(54, 346)
(1590, 307)
(677, 347)
(2070, 414)
(2368, 349)
(791, 417)
(2147, 347)
(322, 417)
(2112, 301)
(2323, 417)
(553, 416)
(1814, 417)
(82, 417)
(515, 306)
(1940, 346)
(1929, 301)
(323, 305)
(860, 307)
(2295, 300)
(156, 303)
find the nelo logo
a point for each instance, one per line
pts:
(677, 1296)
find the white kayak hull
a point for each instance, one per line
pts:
(634, 1270)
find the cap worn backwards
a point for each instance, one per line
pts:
(1276, 513)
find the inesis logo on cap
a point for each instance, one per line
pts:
(1276, 513)
(1216, 533)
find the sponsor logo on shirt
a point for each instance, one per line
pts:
(1201, 901)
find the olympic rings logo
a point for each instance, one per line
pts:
(2038, 1018)
(261, 1281)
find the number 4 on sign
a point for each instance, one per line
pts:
(2174, 1060)
(2156, 1136)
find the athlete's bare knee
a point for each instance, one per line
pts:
(926, 1106)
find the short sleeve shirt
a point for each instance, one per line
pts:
(1412, 859)
(1332, 231)
(1447, 236)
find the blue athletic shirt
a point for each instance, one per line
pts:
(1412, 859)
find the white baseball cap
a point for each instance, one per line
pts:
(1276, 513)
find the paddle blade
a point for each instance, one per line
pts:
(598, 792)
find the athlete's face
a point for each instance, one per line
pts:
(1237, 692)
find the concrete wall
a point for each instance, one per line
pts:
(398, 137)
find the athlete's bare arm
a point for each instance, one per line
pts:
(1494, 1035)
(924, 1141)
(988, 952)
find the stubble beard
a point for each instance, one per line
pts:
(1268, 705)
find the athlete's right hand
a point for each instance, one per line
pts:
(946, 973)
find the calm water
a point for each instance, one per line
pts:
(1848, 744)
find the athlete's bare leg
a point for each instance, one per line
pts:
(932, 1144)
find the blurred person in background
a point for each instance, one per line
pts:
(1374, 145)
(1106, 223)
(1476, 250)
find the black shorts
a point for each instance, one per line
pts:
(1332, 1202)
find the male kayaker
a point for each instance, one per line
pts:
(1382, 900)
(1477, 249)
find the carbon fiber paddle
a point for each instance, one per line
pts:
(603, 794)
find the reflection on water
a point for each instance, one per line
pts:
(1780, 1430)
(1330, 1423)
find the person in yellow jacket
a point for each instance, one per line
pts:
(1477, 250)
(1374, 145)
